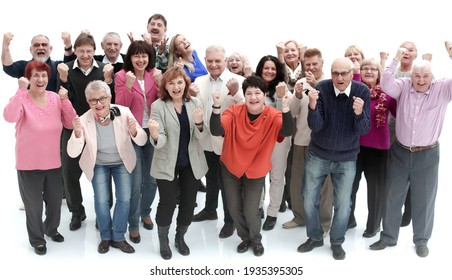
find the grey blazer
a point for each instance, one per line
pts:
(167, 144)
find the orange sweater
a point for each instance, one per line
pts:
(248, 145)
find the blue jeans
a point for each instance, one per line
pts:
(112, 229)
(342, 176)
(144, 186)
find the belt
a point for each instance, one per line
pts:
(415, 149)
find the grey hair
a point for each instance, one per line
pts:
(96, 86)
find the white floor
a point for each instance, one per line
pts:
(77, 257)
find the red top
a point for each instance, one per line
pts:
(248, 145)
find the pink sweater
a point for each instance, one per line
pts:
(38, 131)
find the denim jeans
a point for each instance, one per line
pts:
(112, 228)
(342, 176)
(144, 186)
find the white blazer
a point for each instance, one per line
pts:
(89, 137)
(215, 143)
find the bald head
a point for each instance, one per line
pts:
(341, 73)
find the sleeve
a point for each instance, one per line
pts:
(122, 94)
(14, 109)
(67, 113)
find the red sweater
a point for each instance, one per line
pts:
(248, 145)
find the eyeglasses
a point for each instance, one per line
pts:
(365, 69)
(101, 100)
(336, 74)
(37, 45)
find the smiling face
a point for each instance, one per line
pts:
(235, 64)
(112, 46)
(215, 62)
(354, 54)
(176, 88)
(291, 53)
(85, 54)
(99, 103)
(421, 76)
(410, 55)
(370, 73)
(254, 100)
(139, 62)
(40, 48)
(157, 29)
(38, 81)
(269, 71)
(182, 46)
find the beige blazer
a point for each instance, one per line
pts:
(86, 144)
(167, 144)
(215, 143)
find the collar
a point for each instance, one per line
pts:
(346, 91)
(118, 60)
(94, 64)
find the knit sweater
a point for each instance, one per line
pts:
(336, 129)
(38, 130)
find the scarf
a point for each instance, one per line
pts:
(380, 107)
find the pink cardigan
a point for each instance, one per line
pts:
(134, 98)
(38, 131)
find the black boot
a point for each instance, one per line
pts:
(165, 251)
(180, 242)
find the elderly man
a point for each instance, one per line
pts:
(414, 157)
(339, 113)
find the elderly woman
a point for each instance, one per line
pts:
(250, 132)
(176, 129)
(103, 135)
(39, 116)
(239, 64)
(374, 148)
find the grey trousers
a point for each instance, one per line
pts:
(419, 172)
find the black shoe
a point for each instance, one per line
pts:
(123, 246)
(422, 251)
(261, 211)
(406, 220)
(57, 237)
(147, 223)
(368, 234)
(76, 221)
(135, 239)
(351, 224)
(309, 245)
(201, 187)
(181, 246)
(338, 252)
(204, 215)
(243, 246)
(282, 207)
(380, 245)
(258, 249)
(269, 223)
(104, 246)
(41, 249)
(227, 230)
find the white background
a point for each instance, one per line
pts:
(253, 28)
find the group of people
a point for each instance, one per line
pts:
(159, 117)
